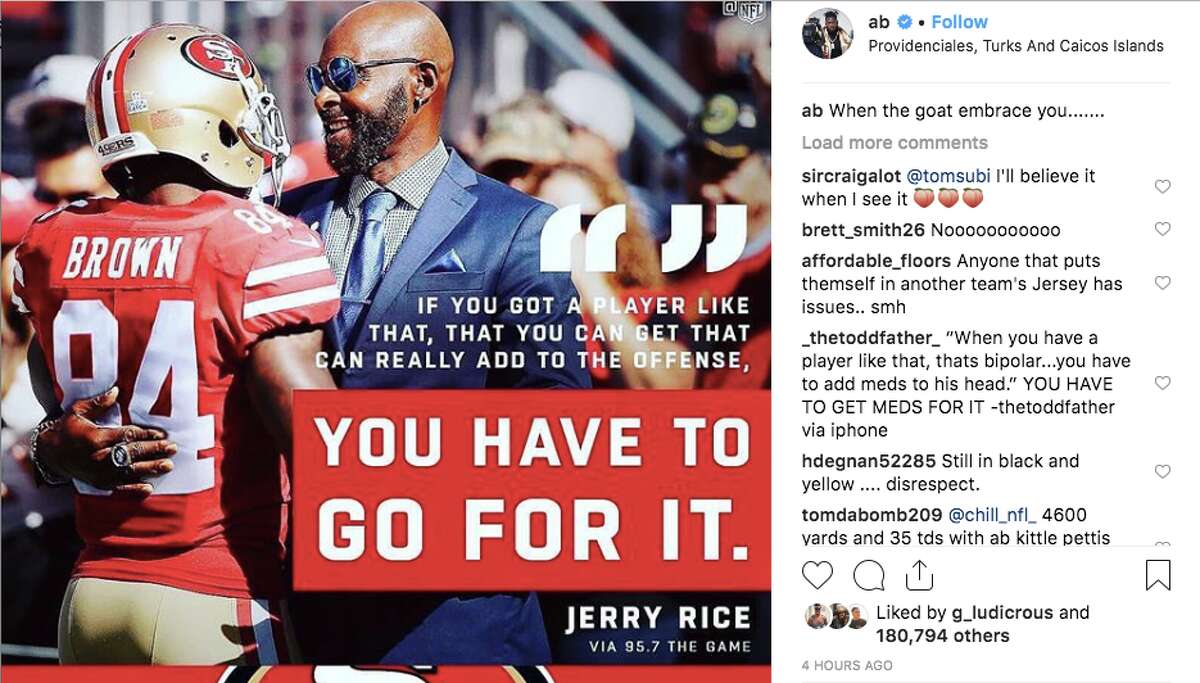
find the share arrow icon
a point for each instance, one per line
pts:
(919, 578)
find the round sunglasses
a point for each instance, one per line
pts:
(342, 72)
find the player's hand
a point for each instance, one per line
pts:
(74, 445)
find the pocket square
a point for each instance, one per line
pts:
(448, 263)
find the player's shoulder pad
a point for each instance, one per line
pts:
(244, 219)
(79, 207)
(246, 234)
(40, 227)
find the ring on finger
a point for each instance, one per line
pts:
(121, 459)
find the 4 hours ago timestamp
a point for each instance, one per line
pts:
(827, 665)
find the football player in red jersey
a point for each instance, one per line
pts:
(193, 313)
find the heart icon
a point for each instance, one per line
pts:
(817, 574)
(1162, 471)
(972, 197)
(923, 196)
(1162, 281)
(1162, 185)
(1162, 227)
(1162, 381)
(1166, 543)
(948, 197)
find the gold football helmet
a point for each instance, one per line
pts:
(191, 92)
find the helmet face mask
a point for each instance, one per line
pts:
(186, 91)
(262, 129)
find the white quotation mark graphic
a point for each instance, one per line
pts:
(687, 235)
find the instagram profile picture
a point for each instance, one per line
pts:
(828, 33)
(840, 616)
(817, 616)
(858, 616)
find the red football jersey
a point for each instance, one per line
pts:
(166, 303)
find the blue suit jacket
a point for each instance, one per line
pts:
(473, 237)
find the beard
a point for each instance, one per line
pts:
(370, 136)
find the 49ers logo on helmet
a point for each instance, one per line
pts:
(218, 56)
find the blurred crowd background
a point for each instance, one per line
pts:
(646, 104)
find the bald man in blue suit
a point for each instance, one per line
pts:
(406, 220)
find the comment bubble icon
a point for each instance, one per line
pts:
(868, 575)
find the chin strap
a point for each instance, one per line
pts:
(263, 131)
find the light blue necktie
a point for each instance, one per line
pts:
(365, 266)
